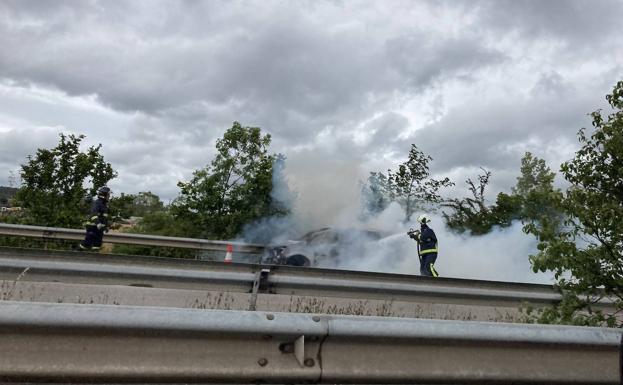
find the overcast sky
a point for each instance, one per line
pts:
(343, 87)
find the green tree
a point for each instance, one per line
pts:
(586, 255)
(507, 209)
(57, 183)
(471, 213)
(234, 189)
(411, 185)
(474, 215)
(532, 200)
(536, 192)
(375, 194)
(159, 222)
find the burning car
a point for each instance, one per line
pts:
(321, 248)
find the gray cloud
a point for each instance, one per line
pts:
(344, 88)
(286, 71)
(570, 21)
(421, 59)
(494, 133)
(14, 144)
(385, 129)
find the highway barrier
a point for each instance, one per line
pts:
(54, 233)
(79, 317)
(80, 277)
(99, 343)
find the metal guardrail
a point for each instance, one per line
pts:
(338, 290)
(96, 343)
(283, 279)
(54, 233)
(79, 267)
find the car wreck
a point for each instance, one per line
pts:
(321, 248)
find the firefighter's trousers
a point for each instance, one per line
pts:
(427, 264)
(93, 237)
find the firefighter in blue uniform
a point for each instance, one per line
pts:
(98, 221)
(427, 246)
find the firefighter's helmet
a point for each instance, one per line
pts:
(423, 219)
(103, 192)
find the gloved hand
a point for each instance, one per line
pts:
(100, 226)
(413, 234)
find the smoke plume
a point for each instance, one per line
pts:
(327, 199)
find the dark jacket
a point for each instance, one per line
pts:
(98, 213)
(428, 240)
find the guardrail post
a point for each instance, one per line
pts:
(260, 285)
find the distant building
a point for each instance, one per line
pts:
(10, 210)
(6, 195)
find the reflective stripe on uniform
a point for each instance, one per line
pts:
(427, 251)
(432, 270)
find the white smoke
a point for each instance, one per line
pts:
(328, 199)
(277, 228)
(501, 255)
